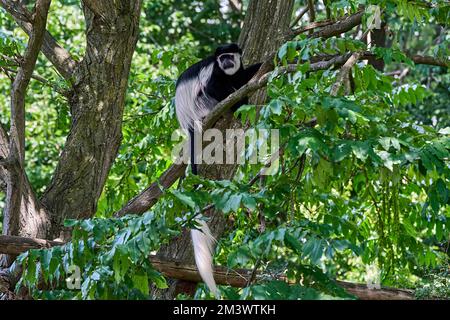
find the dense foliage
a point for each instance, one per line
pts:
(362, 196)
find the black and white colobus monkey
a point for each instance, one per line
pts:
(198, 90)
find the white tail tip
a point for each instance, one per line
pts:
(203, 242)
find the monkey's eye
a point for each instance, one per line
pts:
(226, 56)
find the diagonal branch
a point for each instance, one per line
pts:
(340, 26)
(18, 245)
(147, 198)
(22, 79)
(56, 54)
(329, 28)
(343, 74)
(299, 16)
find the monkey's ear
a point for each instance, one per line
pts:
(240, 51)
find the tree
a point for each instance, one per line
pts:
(97, 93)
(350, 143)
(264, 18)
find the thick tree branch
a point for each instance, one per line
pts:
(147, 198)
(56, 54)
(240, 277)
(417, 59)
(16, 180)
(224, 276)
(17, 245)
(329, 28)
(236, 5)
(341, 26)
(4, 142)
(311, 26)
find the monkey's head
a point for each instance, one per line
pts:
(228, 58)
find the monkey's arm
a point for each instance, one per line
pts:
(247, 74)
(250, 72)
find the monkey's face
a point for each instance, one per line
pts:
(230, 63)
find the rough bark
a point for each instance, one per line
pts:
(240, 278)
(312, 11)
(17, 245)
(4, 142)
(343, 74)
(340, 26)
(97, 102)
(34, 221)
(378, 39)
(265, 24)
(150, 196)
(19, 196)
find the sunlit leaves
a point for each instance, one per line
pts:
(368, 183)
(110, 252)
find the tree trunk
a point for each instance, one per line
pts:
(378, 38)
(265, 24)
(96, 107)
(21, 204)
(99, 83)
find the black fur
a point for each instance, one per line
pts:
(220, 85)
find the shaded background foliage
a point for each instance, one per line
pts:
(364, 194)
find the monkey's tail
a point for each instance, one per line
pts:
(203, 242)
(192, 147)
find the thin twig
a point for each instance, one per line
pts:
(58, 56)
(40, 79)
(299, 16)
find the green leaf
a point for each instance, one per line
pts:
(276, 106)
(361, 149)
(293, 242)
(313, 248)
(140, 282)
(185, 199)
